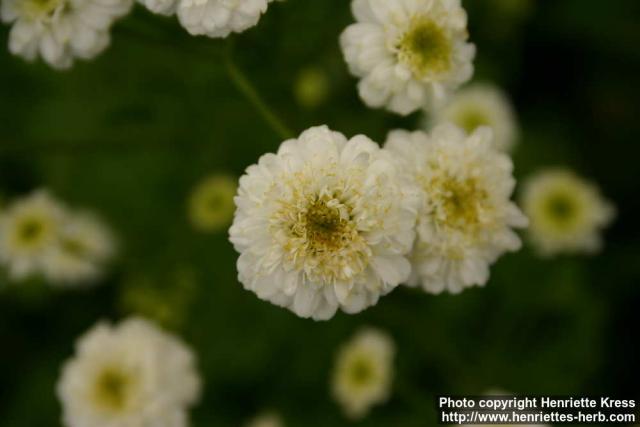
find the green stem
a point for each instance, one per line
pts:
(244, 86)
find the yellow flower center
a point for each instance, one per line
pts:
(561, 209)
(471, 120)
(41, 9)
(457, 203)
(113, 389)
(425, 48)
(321, 238)
(361, 371)
(31, 232)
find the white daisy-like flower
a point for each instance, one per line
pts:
(408, 53)
(567, 213)
(29, 230)
(466, 218)
(268, 419)
(84, 246)
(131, 374)
(478, 105)
(219, 18)
(325, 223)
(211, 204)
(363, 373)
(61, 30)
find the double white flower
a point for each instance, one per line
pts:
(60, 31)
(213, 18)
(325, 223)
(466, 215)
(408, 53)
(131, 374)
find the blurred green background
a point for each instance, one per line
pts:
(130, 133)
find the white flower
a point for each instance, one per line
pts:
(129, 375)
(363, 373)
(29, 230)
(161, 7)
(324, 223)
(466, 217)
(211, 204)
(567, 213)
(219, 18)
(482, 105)
(84, 246)
(268, 419)
(61, 30)
(408, 53)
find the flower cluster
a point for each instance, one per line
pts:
(330, 223)
(131, 374)
(39, 235)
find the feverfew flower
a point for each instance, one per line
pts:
(363, 373)
(219, 18)
(84, 246)
(131, 374)
(466, 218)
(408, 53)
(567, 213)
(268, 419)
(29, 230)
(61, 30)
(325, 223)
(482, 105)
(211, 204)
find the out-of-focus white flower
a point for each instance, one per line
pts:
(363, 373)
(29, 230)
(269, 419)
(39, 235)
(84, 246)
(132, 374)
(567, 213)
(219, 18)
(482, 105)
(408, 53)
(466, 219)
(61, 30)
(211, 204)
(325, 223)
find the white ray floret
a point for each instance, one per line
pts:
(59, 31)
(567, 212)
(408, 53)
(131, 374)
(325, 223)
(466, 217)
